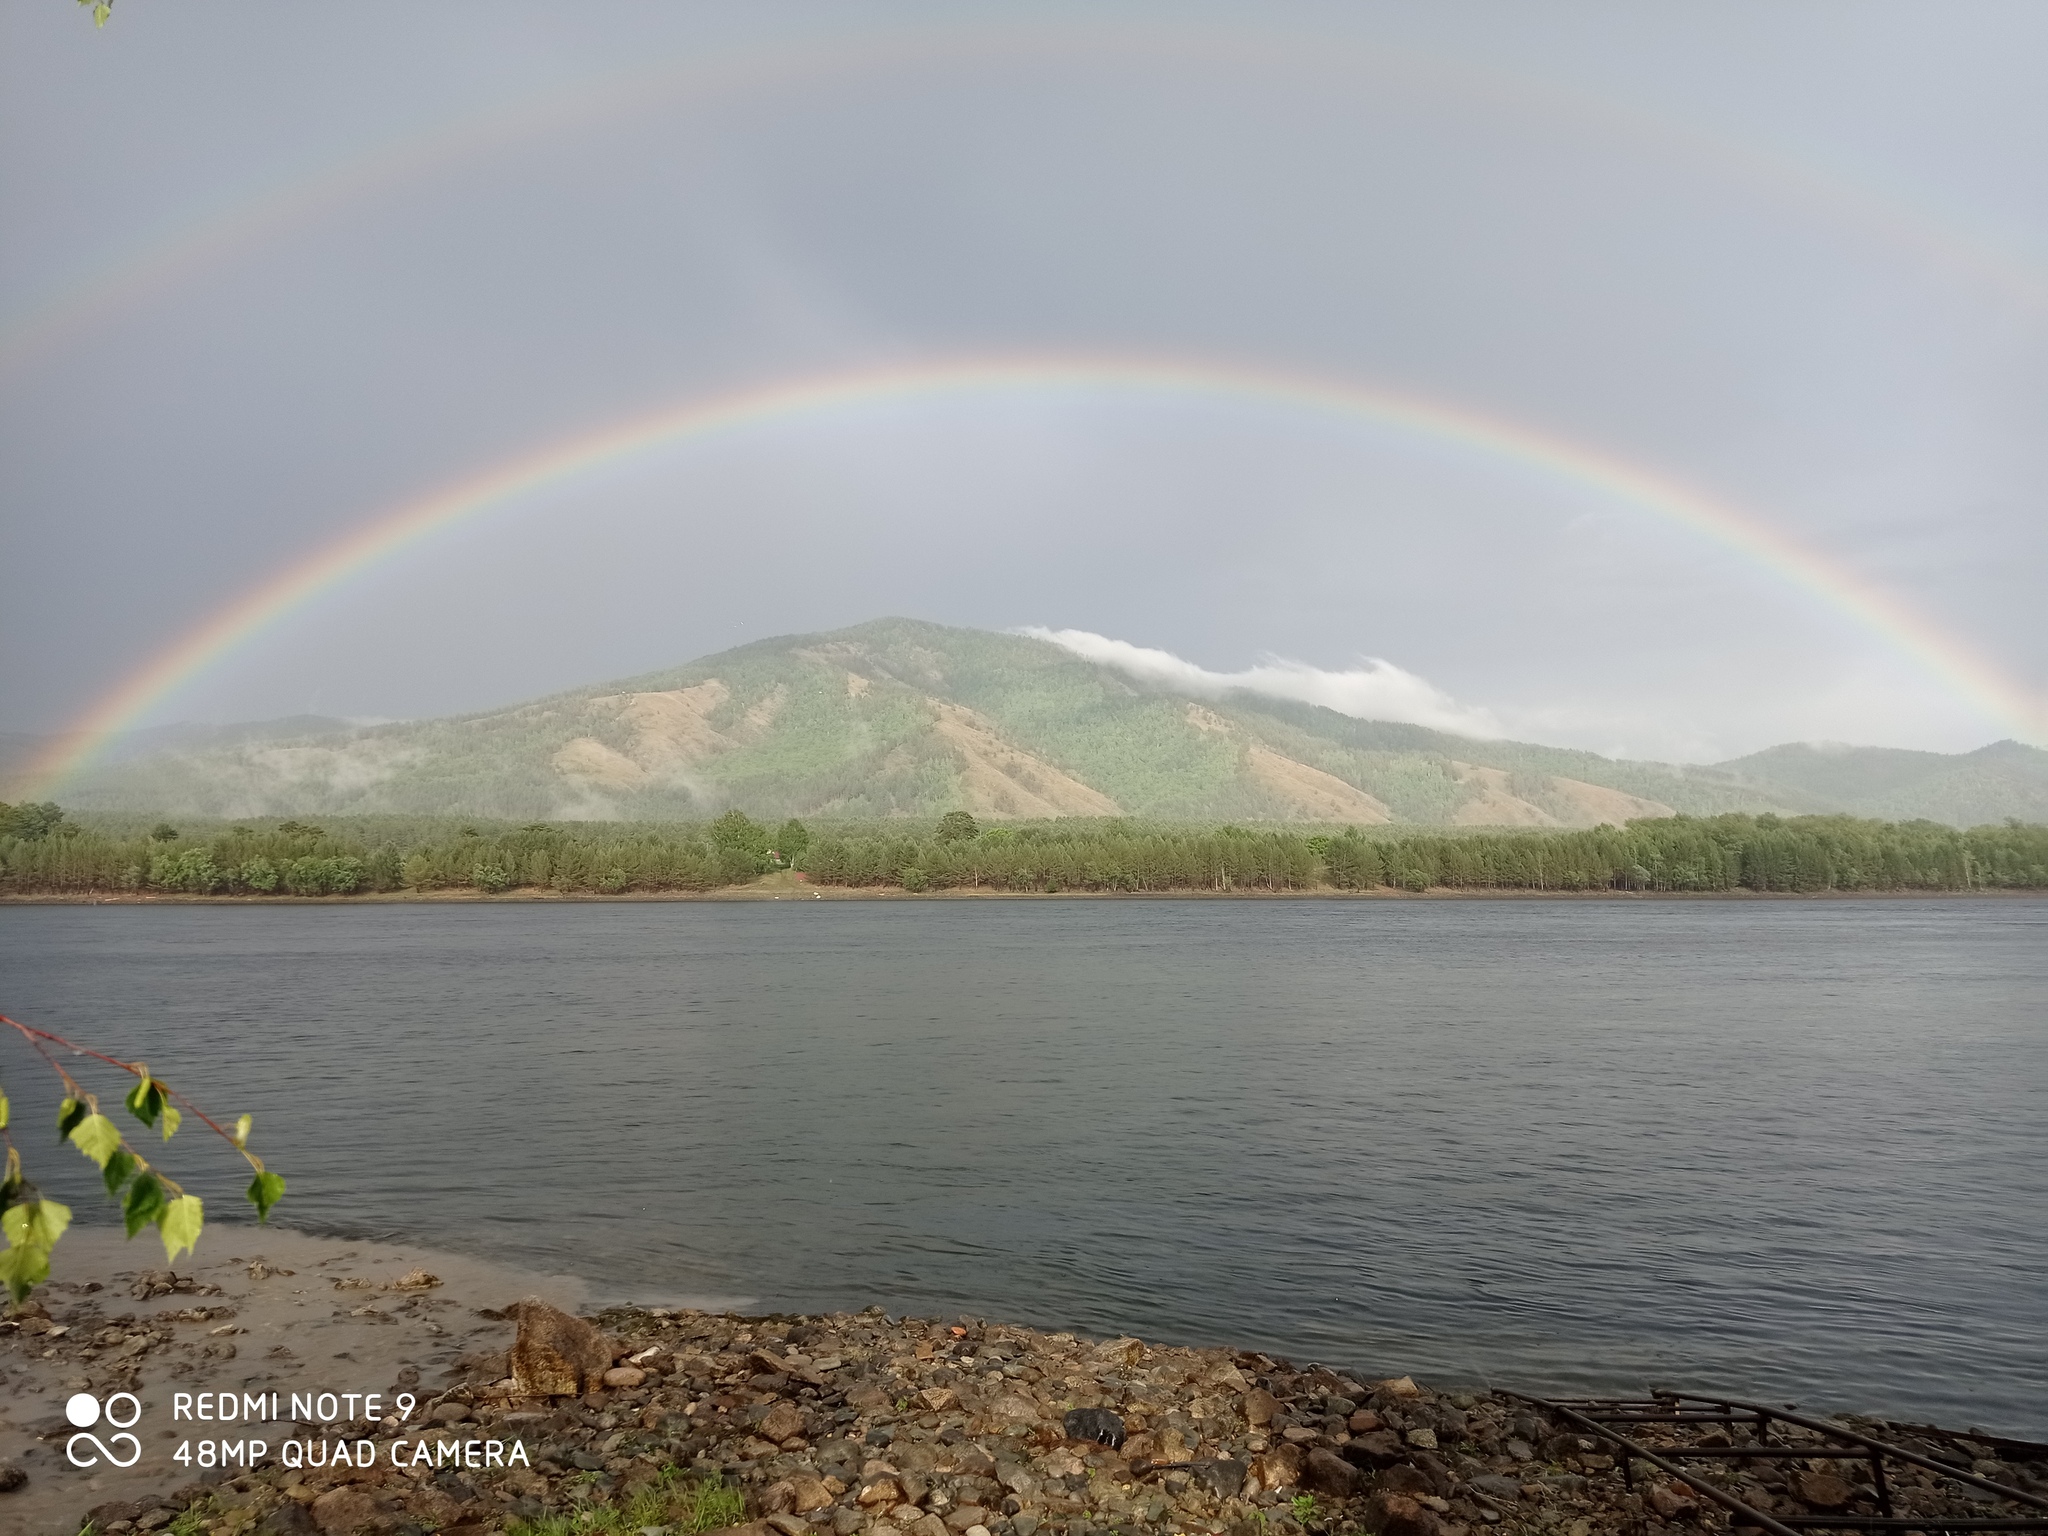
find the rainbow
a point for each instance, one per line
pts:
(212, 238)
(393, 531)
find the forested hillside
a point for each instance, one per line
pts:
(902, 718)
(1965, 789)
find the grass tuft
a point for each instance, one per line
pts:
(684, 1505)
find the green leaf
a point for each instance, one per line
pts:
(145, 1199)
(23, 1269)
(264, 1192)
(179, 1224)
(116, 1173)
(172, 1120)
(3, 1111)
(69, 1113)
(146, 1100)
(35, 1223)
(97, 1137)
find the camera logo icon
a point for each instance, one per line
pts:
(84, 1410)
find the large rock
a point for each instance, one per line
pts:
(799, 1495)
(1278, 1468)
(1441, 1480)
(1823, 1490)
(1326, 1472)
(1013, 1408)
(1220, 1479)
(1396, 1514)
(811, 1495)
(1227, 1376)
(1260, 1406)
(1377, 1448)
(1017, 1479)
(288, 1519)
(1673, 1501)
(557, 1355)
(880, 1492)
(781, 1422)
(1124, 1352)
(346, 1510)
(1061, 1463)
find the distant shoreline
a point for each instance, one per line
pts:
(888, 893)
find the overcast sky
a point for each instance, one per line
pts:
(268, 270)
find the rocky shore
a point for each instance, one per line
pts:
(667, 1421)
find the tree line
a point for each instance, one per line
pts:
(1721, 853)
(44, 852)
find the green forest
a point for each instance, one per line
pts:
(45, 852)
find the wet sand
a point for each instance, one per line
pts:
(254, 1310)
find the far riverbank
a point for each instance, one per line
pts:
(402, 857)
(784, 888)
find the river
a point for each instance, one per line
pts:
(1787, 1149)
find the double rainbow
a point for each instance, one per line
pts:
(205, 240)
(392, 531)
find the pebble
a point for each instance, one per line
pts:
(859, 1425)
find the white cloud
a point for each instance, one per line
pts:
(1374, 690)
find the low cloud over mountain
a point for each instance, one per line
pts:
(1373, 690)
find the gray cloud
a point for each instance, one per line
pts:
(1799, 275)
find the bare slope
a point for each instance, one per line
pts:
(898, 717)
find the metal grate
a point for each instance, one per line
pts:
(1755, 1432)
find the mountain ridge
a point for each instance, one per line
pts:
(904, 717)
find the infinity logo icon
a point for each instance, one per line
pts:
(84, 1410)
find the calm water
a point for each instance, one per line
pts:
(1791, 1149)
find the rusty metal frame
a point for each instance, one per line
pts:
(1605, 1418)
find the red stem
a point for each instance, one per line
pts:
(34, 1036)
